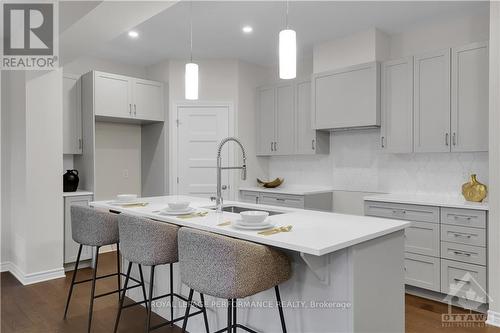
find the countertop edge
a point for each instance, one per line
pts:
(285, 190)
(438, 202)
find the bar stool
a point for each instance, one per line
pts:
(95, 228)
(151, 243)
(229, 268)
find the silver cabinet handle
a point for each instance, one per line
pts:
(454, 138)
(446, 137)
(463, 218)
(80, 144)
(275, 146)
(135, 110)
(460, 280)
(459, 235)
(459, 253)
(224, 187)
(312, 145)
(272, 146)
(130, 109)
(382, 141)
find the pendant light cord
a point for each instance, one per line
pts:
(286, 17)
(191, 30)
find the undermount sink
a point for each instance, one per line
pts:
(239, 209)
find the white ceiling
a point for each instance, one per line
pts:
(217, 27)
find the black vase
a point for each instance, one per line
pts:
(70, 181)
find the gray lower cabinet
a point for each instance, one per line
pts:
(70, 246)
(316, 201)
(445, 248)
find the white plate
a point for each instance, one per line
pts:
(247, 224)
(124, 203)
(167, 211)
(266, 225)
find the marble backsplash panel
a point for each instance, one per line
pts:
(356, 163)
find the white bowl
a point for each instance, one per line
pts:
(178, 205)
(253, 216)
(126, 197)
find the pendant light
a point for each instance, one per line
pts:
(191, 73)
(287, 51)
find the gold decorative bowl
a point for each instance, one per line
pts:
(474, 190)
(272, 184)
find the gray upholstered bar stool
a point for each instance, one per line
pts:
(151, 243)
(95, 228)
(230, 268)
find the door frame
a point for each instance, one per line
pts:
(173, 139)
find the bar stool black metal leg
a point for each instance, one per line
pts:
(92, 290)
(122, 297)
(229, 312)
(118, 268)
(204, 309)
(143, 287)
(235, 322)
(280, 309)
(150, 301)
(73, 280)
(188, 306)
(172, 294)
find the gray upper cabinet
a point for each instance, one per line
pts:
(266, 120)
(432, 102)
(124, 97)
(285, 105)
(469, 98)
(346, 98)
(72, 114)
(284, 121)
(397, 106)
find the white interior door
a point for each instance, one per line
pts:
(199, 131)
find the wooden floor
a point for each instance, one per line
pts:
(39, 308)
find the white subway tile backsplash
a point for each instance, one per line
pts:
(356, 163)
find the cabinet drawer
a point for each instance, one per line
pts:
(422, 238)
(250, 197)
(463, 280)
(464, 217)
(463, 235)
(402, 211)
(293, 201)
(422, 271)
(466, 253)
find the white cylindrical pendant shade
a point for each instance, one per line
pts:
(191, 81)
(287, 54)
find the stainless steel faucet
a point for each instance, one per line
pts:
(218, 199)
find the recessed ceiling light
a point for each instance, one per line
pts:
(133, 34)
(247, 29)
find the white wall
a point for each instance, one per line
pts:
(355, 162)
(494, 140)
(31, 188)
(118, 159)
(85, 64)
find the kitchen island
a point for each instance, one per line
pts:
(347, 270)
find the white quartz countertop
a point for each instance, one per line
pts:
(316, 233)
(290, 189)
(444, 200)
(77, 193)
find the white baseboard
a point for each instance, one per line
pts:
(4, 266)
(493, 318)
(32, 278)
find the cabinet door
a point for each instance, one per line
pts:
(432, 102)
(305, 135)
(72, 114)
(469, 98)
(266, 120)
(148, 100)
(112, 95)
(397, 106)
(70, 246)
(285, 136)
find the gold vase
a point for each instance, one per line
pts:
(474, 190)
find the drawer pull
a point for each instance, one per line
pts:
(459, 235)
(460, 280)
(400, 211)
(463, 218)
(464, 254)
(280, 199)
